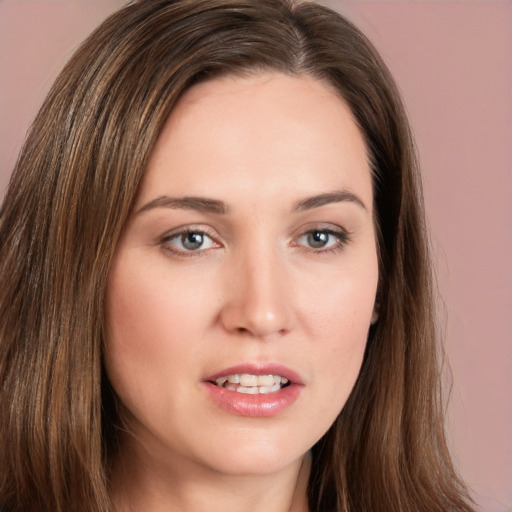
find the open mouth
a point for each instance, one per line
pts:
(252, 384)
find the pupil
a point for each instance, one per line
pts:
(318, 239)
(192, 240)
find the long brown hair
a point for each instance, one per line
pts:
(68, 201)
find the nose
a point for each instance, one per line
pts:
(258, 299)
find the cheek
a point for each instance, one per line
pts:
(337, 317)
(146, 305)
(338, 306)
(151, 324)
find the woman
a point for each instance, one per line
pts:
(216, 283)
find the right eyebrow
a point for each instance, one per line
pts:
(336, 196)
(201, 204)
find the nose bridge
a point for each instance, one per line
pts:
(258, 302)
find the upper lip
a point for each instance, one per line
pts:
(258, 369)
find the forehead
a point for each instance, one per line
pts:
(241, 133)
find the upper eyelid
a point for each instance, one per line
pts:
(172, 233)
(198, 228)
(165, 242)
(333, 229)
(342, 235)
(310, 226)
(166, 239)
(321, 226)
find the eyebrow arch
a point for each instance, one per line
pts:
(201, 204)
(337, 196)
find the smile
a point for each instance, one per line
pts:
(252, 384)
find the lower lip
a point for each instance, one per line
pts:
(257, 406)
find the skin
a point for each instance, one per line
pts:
(255, 291)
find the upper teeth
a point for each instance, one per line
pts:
(251, 384)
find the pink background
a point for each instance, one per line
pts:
(453, 61)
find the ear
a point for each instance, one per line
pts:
(375, 314)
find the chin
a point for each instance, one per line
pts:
(248, 457)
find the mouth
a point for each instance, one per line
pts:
(255, 390)
(251, 384)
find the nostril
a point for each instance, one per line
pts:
(250, 315)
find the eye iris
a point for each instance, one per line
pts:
(318, 239)
(192, 240)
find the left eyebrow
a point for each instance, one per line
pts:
(337, 196)
(201, 204)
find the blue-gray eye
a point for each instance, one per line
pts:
(190, 241)
(318, 239)
(321, 239)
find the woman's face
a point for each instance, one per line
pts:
(240, 298)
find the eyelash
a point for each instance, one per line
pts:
(342, 238)
(181, 234)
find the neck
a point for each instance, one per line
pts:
(183, 486)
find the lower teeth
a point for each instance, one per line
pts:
(252, 390)
(248, 384)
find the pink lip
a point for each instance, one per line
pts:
(260, 405)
